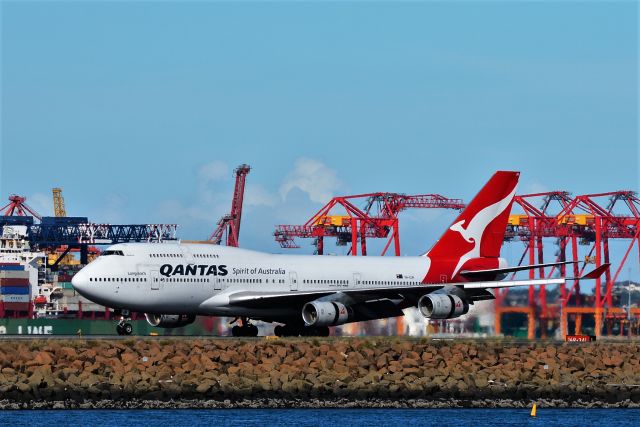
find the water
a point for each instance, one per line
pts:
(322, 417)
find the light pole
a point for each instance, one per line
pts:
(564, 325)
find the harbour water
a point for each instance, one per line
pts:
(325, 417)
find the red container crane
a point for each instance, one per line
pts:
(378, 219)
(17, 206)
(579, 220)
(230, 223)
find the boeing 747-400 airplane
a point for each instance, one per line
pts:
(306, 294)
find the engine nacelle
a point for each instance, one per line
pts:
(325, 313)
(442, 306)
(170, 320)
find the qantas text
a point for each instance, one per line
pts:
(193, 270)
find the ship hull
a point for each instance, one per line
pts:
(86, 327)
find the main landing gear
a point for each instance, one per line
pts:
(245, 329)
(299, 330)
(124, 326)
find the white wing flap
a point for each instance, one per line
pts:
(510, 283)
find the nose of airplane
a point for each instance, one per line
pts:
(80, 281)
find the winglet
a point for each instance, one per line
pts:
(594, 274)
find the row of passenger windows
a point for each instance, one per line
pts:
(385, 282)
(326, 282)
(172, 255)
(239, 280)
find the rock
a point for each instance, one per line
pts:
(353, 369)
(129, 357)
(43, 358)
(66, 353)
(613, 361)
(205, 386)
(409, 363)
(382, 361)
(88, 354)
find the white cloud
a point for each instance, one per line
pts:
(213, 171)
(176, 211)
(257, 195)
(312, 177)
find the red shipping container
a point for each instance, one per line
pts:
(16, 306)
(14, 282)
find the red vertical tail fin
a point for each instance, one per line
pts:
(478, 231)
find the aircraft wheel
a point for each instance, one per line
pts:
(127, 329)
(236, 331)
(278, 331)
(251, 331)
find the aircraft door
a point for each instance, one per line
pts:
(293, 281)
(188, 256)
(356, 279)
(217, 284)
(155, 280)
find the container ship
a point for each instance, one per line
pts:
(36, 300)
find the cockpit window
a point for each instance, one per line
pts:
(105, 253)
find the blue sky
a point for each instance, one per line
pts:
(140, 111)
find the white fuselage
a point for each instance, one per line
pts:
(197, 278)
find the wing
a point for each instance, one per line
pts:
(400, 296)
(492, 272)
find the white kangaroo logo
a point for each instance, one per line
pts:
(477, 225)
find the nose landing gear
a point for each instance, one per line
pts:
(245, 329)
(124, 327)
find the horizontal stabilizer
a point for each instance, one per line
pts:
(594, 274)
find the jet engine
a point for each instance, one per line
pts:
(325, 313)
(170, 320)
(442, 306)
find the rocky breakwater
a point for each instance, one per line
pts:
(327, 372)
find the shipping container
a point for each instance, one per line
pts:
(14, 274)
(15, 298)
(14, 282)
(16, 306)
(11, 267)
(17, 290)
